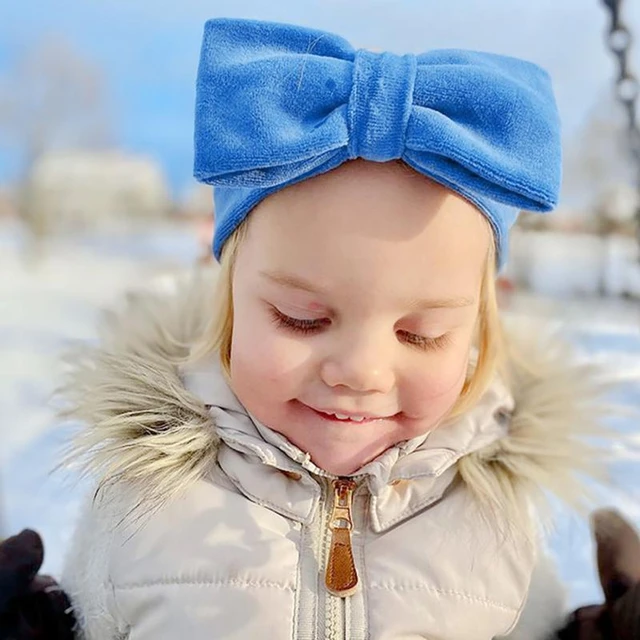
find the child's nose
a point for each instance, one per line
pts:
(362, 365)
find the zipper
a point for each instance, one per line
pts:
(341, 576)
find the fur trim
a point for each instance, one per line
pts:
(559, 417)
(147, 429)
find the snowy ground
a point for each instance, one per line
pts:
(44, 306)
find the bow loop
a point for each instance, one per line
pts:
(380, 105)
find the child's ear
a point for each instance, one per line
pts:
(618, 553)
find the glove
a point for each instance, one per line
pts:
(618, 555)
(32, 606)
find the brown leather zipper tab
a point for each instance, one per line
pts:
(341, 577)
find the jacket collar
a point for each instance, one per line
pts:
(270, 470)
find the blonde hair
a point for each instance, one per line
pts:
(489, 341)
(487, 360)
(218, 332)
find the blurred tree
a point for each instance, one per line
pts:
(52, 97)
(598, 163)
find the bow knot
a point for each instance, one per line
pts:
(380, 105)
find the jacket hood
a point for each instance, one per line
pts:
(146, 423)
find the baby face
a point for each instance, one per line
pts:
(356, 296)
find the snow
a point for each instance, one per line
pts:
(43, 306)
(557, 263)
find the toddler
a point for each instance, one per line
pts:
(331, 437)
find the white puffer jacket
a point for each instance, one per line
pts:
(208, 525)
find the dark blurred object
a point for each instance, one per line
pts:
(619, 40)
(32, 606)
(618, 553)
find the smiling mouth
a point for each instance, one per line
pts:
(334, 416)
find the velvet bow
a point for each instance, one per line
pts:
(279, 103)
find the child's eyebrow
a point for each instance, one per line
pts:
(440, 303)
(291, 282)
(294, 282)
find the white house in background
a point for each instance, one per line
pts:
(97, 188)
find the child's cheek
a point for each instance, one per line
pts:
(433, 390)
(449, 379)
(268, 354)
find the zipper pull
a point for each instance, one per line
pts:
(341, 578)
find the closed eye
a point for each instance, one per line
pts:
(424, 343)
(304, 326)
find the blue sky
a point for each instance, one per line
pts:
(149, 50)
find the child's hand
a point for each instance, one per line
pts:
(32, 606)
(618, 555)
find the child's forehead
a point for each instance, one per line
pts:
(370, 224)
(388, 202)
(361, 176)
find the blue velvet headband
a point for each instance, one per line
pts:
(278, 103)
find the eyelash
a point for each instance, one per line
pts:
(304, 327)
(309, 327)
(426, 344)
